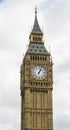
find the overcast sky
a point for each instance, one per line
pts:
(16, 21)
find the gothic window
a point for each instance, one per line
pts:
(44, 83)
(45, 58)
(33, 99)
(36, 83)
(38, 57)
(33, 57)
(31, 83)
(41, 84)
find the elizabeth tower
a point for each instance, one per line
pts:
(36, 84)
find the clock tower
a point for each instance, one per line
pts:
(36, 84)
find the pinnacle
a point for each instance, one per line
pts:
(36, 28)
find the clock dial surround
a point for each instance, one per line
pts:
(39, 72)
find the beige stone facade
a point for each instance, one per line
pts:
(36, 95)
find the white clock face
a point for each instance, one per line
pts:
(39, 72)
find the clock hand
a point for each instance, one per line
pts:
(39, 71)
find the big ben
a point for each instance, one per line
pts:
(36, 83)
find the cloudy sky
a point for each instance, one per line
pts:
(16, 21)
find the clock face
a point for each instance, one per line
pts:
(39, 72)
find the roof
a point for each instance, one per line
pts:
(36, 28)
(37, 48)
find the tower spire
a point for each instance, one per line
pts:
(36, 28)
(36, 33)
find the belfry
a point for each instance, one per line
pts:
(36, 84)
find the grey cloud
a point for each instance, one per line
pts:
(8, 119)
(57, 19)
(64, 68)
(63, 122)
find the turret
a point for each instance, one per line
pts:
(36, 34)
